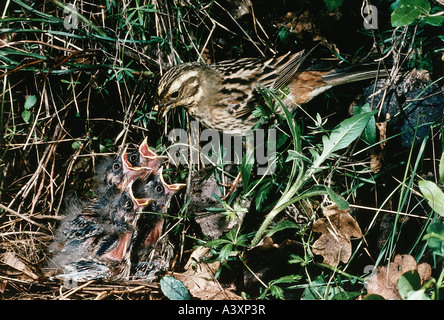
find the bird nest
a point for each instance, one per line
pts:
(78, 85)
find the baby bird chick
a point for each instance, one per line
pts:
(152, 253)
(93, 241)
(145, 157)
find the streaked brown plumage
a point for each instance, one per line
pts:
(223, 96)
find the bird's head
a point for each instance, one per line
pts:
(120, 172)
(182, 86)
(156, 190)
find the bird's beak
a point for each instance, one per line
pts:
(138, 202)
(171, 187)
(128, 165)
(146, 152)
(142, 202)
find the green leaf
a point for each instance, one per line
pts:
(373, 297)
(246, 167)
(409, 286)
(262, 195)
(333, 4)
(317, 290)
(369, 134)
(409, 281)
(404, 15)
(341, 202)
(277, 292)
(408, 11)
(26, 116)
(284, 224)
(435, 21)
(417, 295)
(174, 289)
(421, 4)
(441, 169)
(435, 238)
(346, 295)
(293, 155)
(295, 259)
(225, 252)
(433, 194)
(345, 133)
(30, 102)
(76, 145)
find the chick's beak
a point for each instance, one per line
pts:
(171, 187)
(146, 152)
(138, 202)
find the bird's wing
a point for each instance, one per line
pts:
(84, 270)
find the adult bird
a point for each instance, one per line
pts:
(223, 96)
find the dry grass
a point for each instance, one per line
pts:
(95, 90)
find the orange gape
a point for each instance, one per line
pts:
(118, 253)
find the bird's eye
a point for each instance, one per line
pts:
(174, 95)
(116, 166)
(128, 204)
(159, 189)
(133, 158)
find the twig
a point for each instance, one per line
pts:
(75, 290)
(23, 217)
(105, 294)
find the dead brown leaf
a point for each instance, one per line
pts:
(384, 282)
(376, 158)
(3, 285)
(14, 261)
(199, 279)
(300, 24)
(337, 228)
